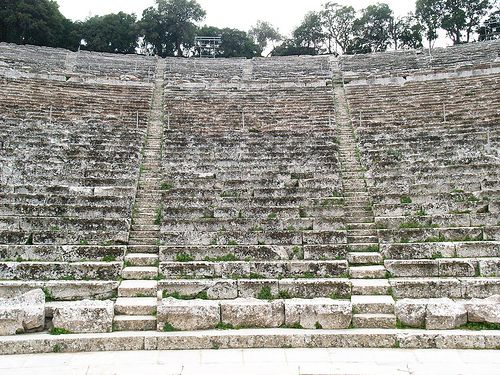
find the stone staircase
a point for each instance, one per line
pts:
(373, 306)
(135, 308)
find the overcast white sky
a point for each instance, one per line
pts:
(241, 14)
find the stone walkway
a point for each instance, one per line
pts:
(259, 362)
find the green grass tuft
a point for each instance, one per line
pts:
(184, 257)
(59, 331)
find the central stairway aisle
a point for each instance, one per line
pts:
(373, 305)
(135, 308)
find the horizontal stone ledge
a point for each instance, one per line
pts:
(250, 338)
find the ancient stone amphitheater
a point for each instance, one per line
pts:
(281, 202)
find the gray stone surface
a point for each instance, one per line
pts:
(411, 312)
(23, 313)
(250, 313)
(445, 314)
(318, 313)
(483, 310)
(187, 315)
(84, 316)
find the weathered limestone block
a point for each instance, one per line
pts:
(249, 288)
(483, 310)
(188, 315)
(490, 267)
(480, 287)
(312, 288)
(427, 288)
(412, 268)
(250, 312)
(23, 313)
(318, 313)
(215, 289)
(411, 312)
(457, 267)
(445, 314)
(84, 316)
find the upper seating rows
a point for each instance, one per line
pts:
(416, 62)
(32, 59)
(278, 70)
(81, 65)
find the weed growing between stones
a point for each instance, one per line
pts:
(224, 326)
(184, 257)
(48, 295)
(158, 215)
(109, 258)
(165, 186)
(406, 200)
(59, 331)
(167, 327)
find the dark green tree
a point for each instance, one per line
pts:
(235, 43)
(338, 22)
(170, 27)
(430, 15)
(411, 33)
(37, 22)
(490, 29)
(264, 33)
(405, 32)
(461, 18)
(372, 29)
(289, 48)
(110, 33)
(310, 33)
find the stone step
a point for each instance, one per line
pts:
(147, 205)
(364, 258)
(134, 323)
(361, 226)
(356, 201)
(144, 234)
(149, 194)
(142, 259)
(358, 219)
(150, 207)
(152, 249)
(149, 221)
(372, 304)
(135, 306)
(367, 272)
(374, 321)
(362, 232)
(138, 288)
(143, 241)
(139, 273)
(144, 215)
(139, 228)
(361, 239)
(255, 269)
(356, 194)
(364, 247)
(370, 286)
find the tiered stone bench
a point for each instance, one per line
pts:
(294, 201)
(70, 153)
